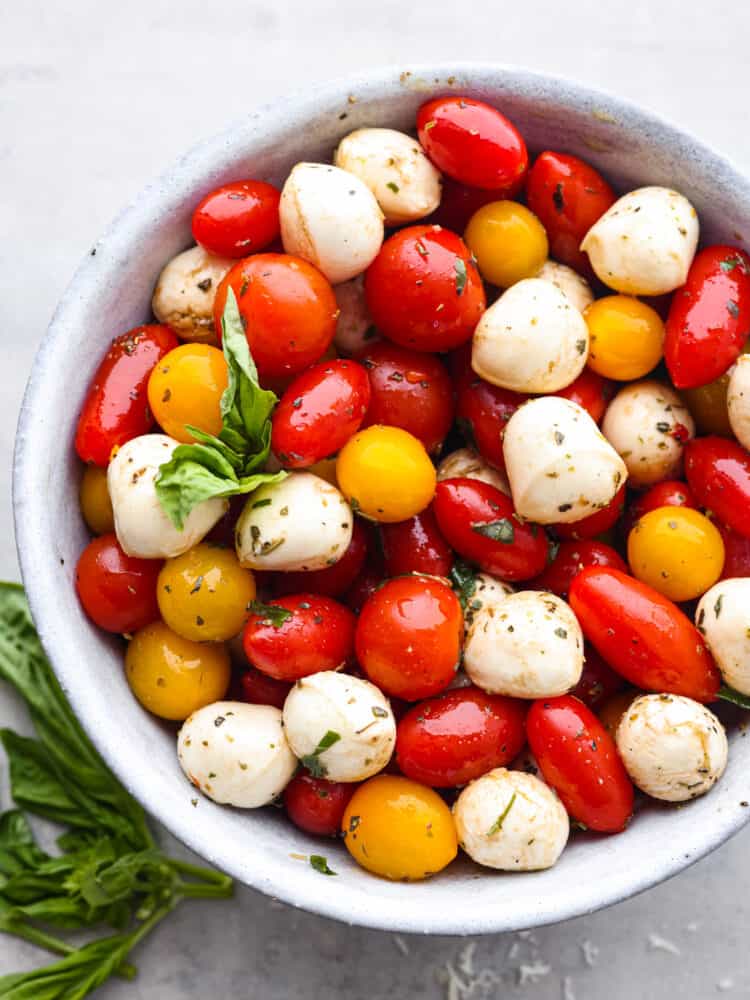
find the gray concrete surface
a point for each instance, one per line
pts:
(97, 97)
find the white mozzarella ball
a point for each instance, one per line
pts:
(394, 167)
(648, 424)
(672, 747)
(306, 525)
(560, 467)
(570, 283)
(141, 525)
(723, 618)
(354, 328)
(488, 592)
(236, 754)
(511, 821)
(529, 645)
(185, 292)
(531, 340)
(465, 463)
(644, 244)
(327, 705)
(330, 219)
(738, 400)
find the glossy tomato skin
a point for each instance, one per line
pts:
(736, 553)
(591, 391)
(463, 505)
(117, 591)
(598, 680)
(237, 219)
(709, 318)
(319, 412)
(482, 411)
(718, 473)
(409, 636)
(459, 202)
(315, 805)
(416, 546)
(409, 389)
(642, 635)
(317, 635)
(332, 581)
(596, 523)
(579, 759)
(257, 688)
(116, 406)
(571, 558)
(423, 289)
(568, 195)
(668, 493)
(473, 143)
(459, 736)
(288, 310)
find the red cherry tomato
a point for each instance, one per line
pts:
(568, 195)
(473, 143)
(315, 805)
(332, 581)
(479, 522)
(668, 493)
(423, 289)
(237, 219)
(718, 472)
(642, 635)
(363, 587)
(258, 689)
(416, 546)
(409, 636)
(736, 553)
(411, 390)
(288, 309)
(117, 591)
(709, 318)
(591, 391)
(579, 759)
(598, 680)
(482, 411)
(459, 736)
(571, 558)
(319, 412)
(116, 406)
(316, 634)
(459, 202)
(596, 523)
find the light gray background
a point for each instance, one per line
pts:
(96, 98)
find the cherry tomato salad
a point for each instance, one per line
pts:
(423, 505)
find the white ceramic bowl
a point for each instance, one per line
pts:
(111, 292)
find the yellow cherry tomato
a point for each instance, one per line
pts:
(399, 829)
(612, 710)
(508, 241)
(204, 593)
(627, 337)
(186, 388)
(172, 676)
(93, 497)
(386, 474)
(677, 551)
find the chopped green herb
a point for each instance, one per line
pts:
(262, 503)
(729, 264)
(557, 198)
(561, 633)
(464, 581)
(319, 863)
(663, 427)
(312, 761)
(733, 309)
(498, 824)
(726, 693)
(379, 713)
(393, 186)
(498, 531)
(272, 614)
(460, 275)
(717, 605)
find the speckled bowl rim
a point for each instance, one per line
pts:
(383, 911)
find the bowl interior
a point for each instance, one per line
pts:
(111, 293)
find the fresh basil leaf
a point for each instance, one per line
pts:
(18, 848)
(463, 579)
(312, 761)
(33, 782)
(727, 693)
(498, 531)
(271, 614)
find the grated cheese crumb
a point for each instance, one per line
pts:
(658, 943)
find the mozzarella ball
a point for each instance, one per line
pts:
(236, 754)
(465, 463)
(531, 340)
(185, 292)
(723, 618)
(672, 747)
(394, 167)
(645, 243)
(570, 283)
(560, 467)
(327, 705)
(331, 219)
(511, 821)
(647, 424)
(354, 327)
(738, 400)
(488, 593)
(529, 645)
(306, 525)
(141, 525)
